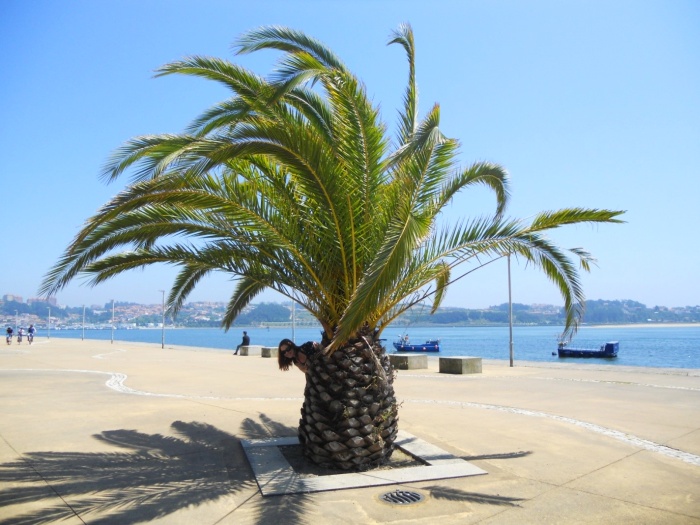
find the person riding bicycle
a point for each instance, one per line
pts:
(30, 333)
(9, 335)
(20, 335)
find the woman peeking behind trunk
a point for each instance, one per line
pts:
(289, 354)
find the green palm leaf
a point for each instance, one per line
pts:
(292, 184)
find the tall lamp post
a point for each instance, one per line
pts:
(112, 340)
(162, 326)
(510, 313)
(294, 320)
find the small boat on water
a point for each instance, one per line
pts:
(607, 350)
(403, 345)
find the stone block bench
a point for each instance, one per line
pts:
(460, 365)
(262, 351)
(268, 351)
(408, 361)
(250, 350)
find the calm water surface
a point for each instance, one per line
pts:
(665, 346)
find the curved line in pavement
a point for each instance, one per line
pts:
(615, 434)
(102, 356)
(116, 383)
(542, 378)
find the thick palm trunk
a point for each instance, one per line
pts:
(349, 418)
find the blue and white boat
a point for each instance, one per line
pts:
(607, 350)
(403, 345)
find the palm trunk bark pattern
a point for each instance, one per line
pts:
(349, 419)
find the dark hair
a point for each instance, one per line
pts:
(284, 361)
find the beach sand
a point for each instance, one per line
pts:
(130, 433)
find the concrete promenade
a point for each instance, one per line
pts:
(93, 432)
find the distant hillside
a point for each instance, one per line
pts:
(597, 312)
(210, 314)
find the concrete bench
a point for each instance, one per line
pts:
(268, 351)
(460, 365)
(408, 361)
(250, 350)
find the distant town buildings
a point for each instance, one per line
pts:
(51, 300)
(9, 297)
(15, 312)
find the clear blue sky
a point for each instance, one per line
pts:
(587, 103)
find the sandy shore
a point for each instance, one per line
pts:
(130, 433)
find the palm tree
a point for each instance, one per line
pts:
(292, 184)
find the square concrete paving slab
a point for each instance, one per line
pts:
(275, 475)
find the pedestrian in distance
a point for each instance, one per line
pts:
(245, 342)
(9, 335)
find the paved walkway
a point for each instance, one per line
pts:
(93, 432)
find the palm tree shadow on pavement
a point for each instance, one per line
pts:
(450, 494)
(506, 455)
(152, 476)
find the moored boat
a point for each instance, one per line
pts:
(403, 345)
(607, 350)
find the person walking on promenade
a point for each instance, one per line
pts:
(245, 342)
(9, 335)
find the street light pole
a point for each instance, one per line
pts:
(510, 313)
(162, 328)
(112, 340)
(294, 321)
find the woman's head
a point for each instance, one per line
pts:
(286, 353)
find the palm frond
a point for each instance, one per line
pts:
(291, 184)
(409, 117)
(289, 41)
(555, 219)
(488, 174)
(239, 80)
(246, 290)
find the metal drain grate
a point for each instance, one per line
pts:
(401, 497)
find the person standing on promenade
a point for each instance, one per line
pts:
(245, 342)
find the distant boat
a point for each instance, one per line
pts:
(607, 350)
(403, 345)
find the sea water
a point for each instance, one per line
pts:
(640, 345)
